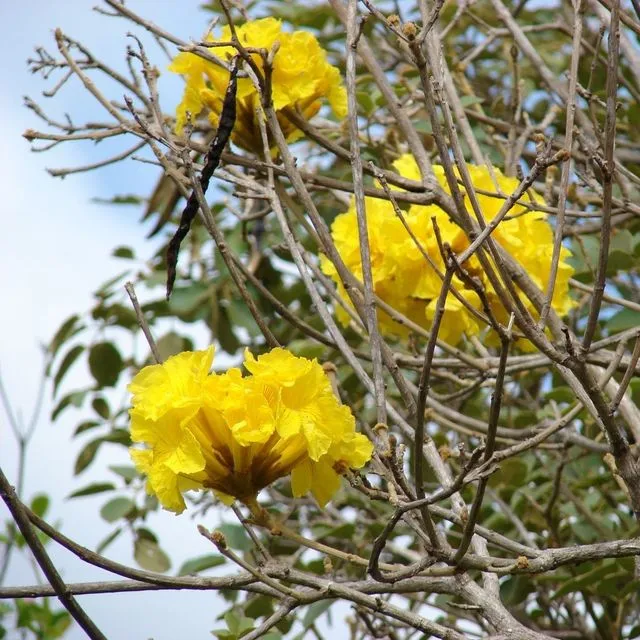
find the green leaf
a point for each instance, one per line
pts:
(236, 536)
(237, 625)
(150, 556)
(185, 300)
(86, 456)
(126, 253)
(315, 611)
(515, 590)
(67, 329)
(240, 316)
(116, 314)
(108, 540)
(365, 101)
(621, 240)
(467, 101)
(259, 607)
(119, 436)
(71, 356)
(201, 563)
(344, 531)
(512, 474)
(619, 261)
(92, 489)
(105, 288)
(423, 126)
(172, 343)
(224, 334)
(75, 398)
(40, 504)
(586, 580)
(117, 508)
(624, 319)
(119, 199)
(86, 425)
(105, 364)
(147, 534)
(101, 407)
(124, 471)
(306, 348)
(561, 394)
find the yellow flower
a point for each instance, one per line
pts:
(175, 384)
(456, 319)
(236, 435)
(404, 279)
(321, 477)
(301, 78)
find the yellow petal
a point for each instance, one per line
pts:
(325, 481)
(301, 479)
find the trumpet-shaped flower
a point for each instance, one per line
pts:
(301, 79)
(236, 434)
(407, 272)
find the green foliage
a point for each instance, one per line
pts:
(201, 563)
(235, 536)
(149, 555)
(38, 618)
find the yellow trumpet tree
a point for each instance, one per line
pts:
(409, 231)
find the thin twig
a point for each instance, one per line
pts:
(608, 176)
(142, 322)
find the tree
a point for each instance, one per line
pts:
(435, 224)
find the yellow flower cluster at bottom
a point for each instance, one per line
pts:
(235, 435)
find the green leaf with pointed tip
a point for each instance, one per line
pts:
(201, 563)
(101, 407)
(108, 540)
(71, 356)
(68, 328)
(86, 456)
(86, 425)
(92, 489)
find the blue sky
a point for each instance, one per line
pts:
(54, 250)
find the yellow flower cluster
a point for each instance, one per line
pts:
(404, 279)
(302, 77)
(235, 435)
